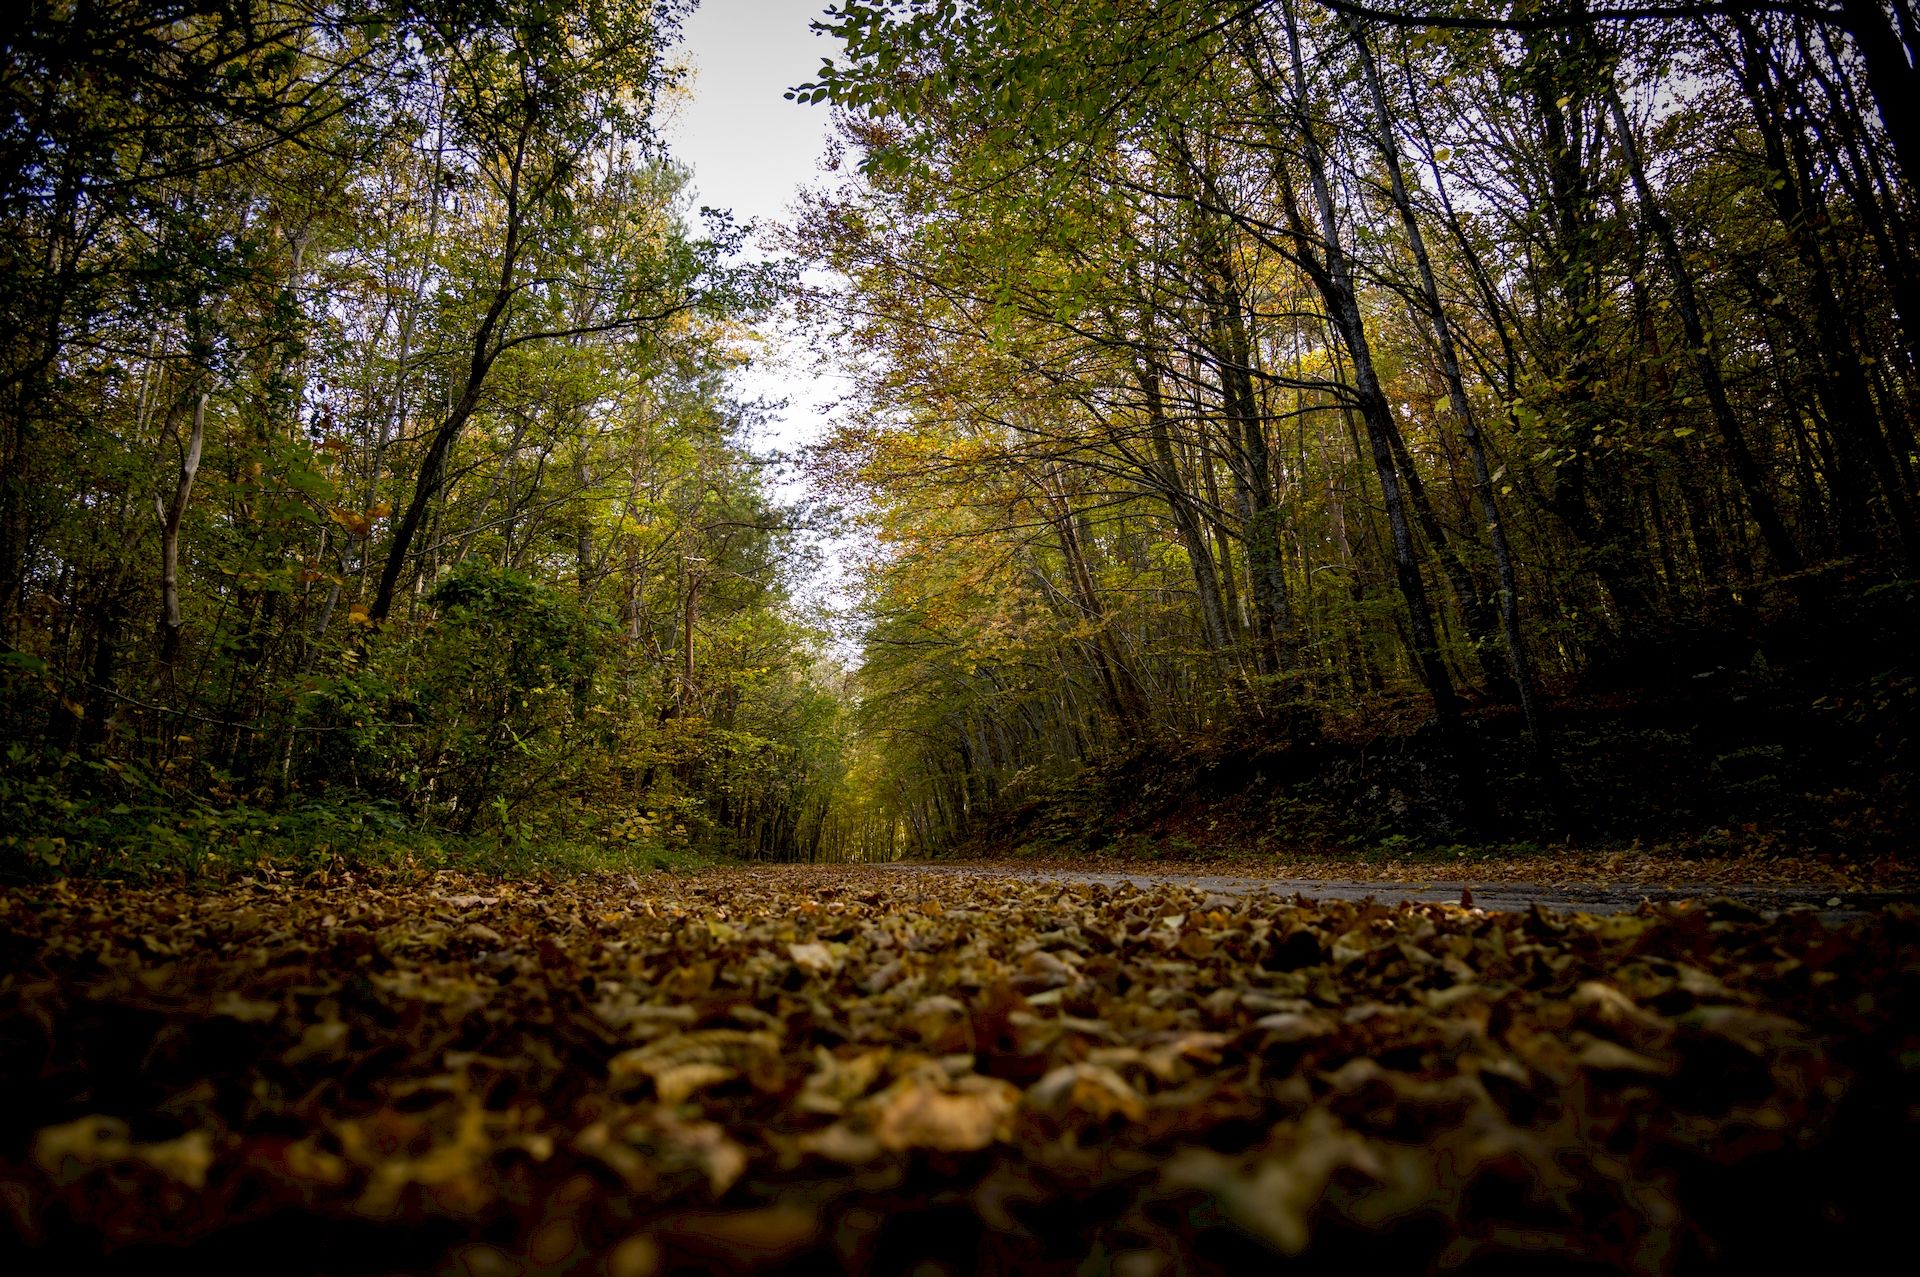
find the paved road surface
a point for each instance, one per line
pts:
(1501, 898)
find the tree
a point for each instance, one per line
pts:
(368, 351)
(1560, 386)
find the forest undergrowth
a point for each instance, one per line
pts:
(1781, 752)
(834, 1070)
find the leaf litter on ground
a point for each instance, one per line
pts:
(1624, 870)
(838, 1070)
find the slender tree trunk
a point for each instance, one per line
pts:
(1891, 79)
(1519, 663)
(485, 349)
(690, 620)
(170, 516)
(1335, 282)
(1187, 524)
(1334, 279)
(1773, 530)
(1852, 415)
(1117, 681)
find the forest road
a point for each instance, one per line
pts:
(1494, 897)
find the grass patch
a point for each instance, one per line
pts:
(70, 817)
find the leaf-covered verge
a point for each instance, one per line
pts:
(1687, 756)
(1628, 876)
(850, 1070)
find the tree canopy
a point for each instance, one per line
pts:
(368, 434)
(1257, 363)
(1252, 374)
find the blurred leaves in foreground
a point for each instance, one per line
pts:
(878, 1071)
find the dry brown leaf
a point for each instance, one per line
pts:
(1091, 1089)
(885, 1061)
(919, 1111)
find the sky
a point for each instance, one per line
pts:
(751, 150)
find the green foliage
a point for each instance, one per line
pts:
(1224, 371)
(72, 816)
(470, 715)
(473, 552)
(1223, 375)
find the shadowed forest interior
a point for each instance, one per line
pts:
(1495, 426)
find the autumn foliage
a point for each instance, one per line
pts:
(911, 1071)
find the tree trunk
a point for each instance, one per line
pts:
(170, 516)
(1334, 280)
(1773, 531)
(1186, 522)
(485, 350)
(1519, 663)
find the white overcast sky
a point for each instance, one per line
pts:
(749, 147)
(751, 151)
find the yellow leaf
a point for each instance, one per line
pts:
(1092, 1089)
(919, 1112)
(675, 1083)
(814, 958)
